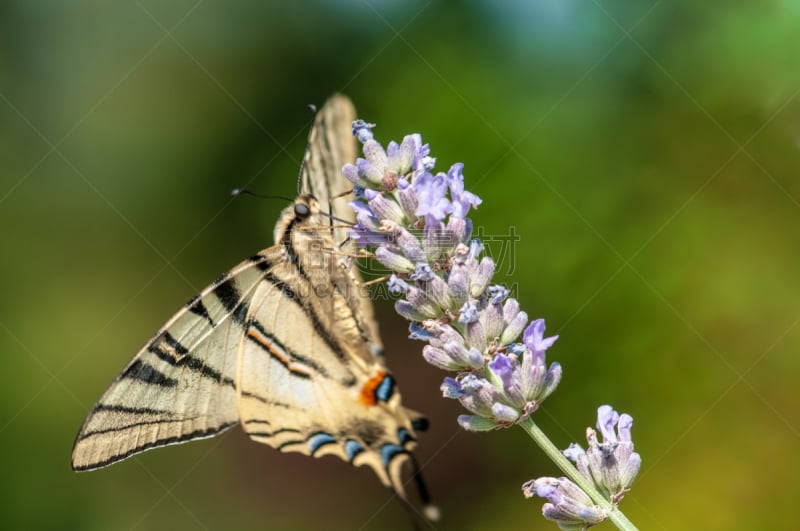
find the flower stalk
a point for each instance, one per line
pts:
(416, 223)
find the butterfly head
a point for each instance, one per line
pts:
(302, 215)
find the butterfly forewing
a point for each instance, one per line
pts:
(331, 145)
(182, 383)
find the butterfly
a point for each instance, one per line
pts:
(284, 345)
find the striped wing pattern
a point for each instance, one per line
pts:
(328, 393)
(182, 383)
(284, 344)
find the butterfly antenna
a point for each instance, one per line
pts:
(236, 192)
(313, 108)
(340, 220)
(343, 194)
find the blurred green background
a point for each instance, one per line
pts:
(646, 153)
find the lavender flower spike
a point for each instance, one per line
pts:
(611, 465)
(414, 219)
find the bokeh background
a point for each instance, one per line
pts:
(646, 154)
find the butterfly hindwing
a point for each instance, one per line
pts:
(305, 344)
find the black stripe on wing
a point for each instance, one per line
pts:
(265, 400)
(197, 434)
(117, 408)
(171, 351)
(87, 434)
(144, 372)
(196, 306)
(315, 320)
(226, 291)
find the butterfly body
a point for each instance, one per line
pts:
(284, 344)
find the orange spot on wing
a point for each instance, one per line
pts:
(367, 396)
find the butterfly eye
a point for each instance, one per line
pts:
(301, 210)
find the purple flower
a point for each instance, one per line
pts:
(370, 174)
(502, 395)
(468, 313)
(431, 193)
(419, 332)
(534, 338)
(426, 163)
(461, 199)
(506, 371)
(478, 395)
(362, 130)
(397, 285)
(451, 388)
(492, 320)
(481, 277)
(514, 321)
(568, 506)
(365, 237)
(423, 162)
(437, 290)
(385, 209)
(459, 229)
(394, 260)
(406, 198)
(454, 356)
(423, 273)
(524, 384)
(367, 230)
(402, 158)
(497, 293)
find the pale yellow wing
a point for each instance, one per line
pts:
(182, 383)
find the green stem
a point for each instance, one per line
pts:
(614, 514)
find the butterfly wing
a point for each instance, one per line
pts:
(331, 145)
(182, 383)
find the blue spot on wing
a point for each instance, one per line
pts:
(389, 451)
(319, 439)
(385, 389)
(403, 436)
(352, 449)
